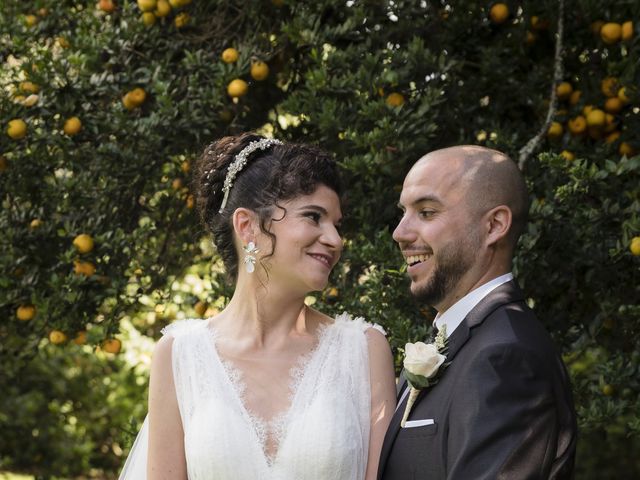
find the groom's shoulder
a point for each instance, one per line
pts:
(514, 324)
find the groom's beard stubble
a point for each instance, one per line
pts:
(451, 263)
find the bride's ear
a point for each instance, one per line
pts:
(244, 224)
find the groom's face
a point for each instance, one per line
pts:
(437, 235)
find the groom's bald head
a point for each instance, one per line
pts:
(487, 178)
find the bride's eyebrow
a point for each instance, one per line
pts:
(319, 209)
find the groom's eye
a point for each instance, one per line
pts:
(426, 213)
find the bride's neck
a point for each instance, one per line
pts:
(264, 315)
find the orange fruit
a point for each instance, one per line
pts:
(200, 308)
(609, 86)
(138, 96)
(626, 149)
(555, 130)
(538, 23)
(83, 243)
(176, 184)
(63, 42)
(72, 126)
(190, 202)
(17, 128)
(627, 30)
(181, 20)
(185, 167)
(80, 338)
(230, 55)
(259, 70)
(57, 337)
(564, 90)
(607, 390)
(112, 345)
(622, 95)
(29, 87)
(4, 164)
(162, 9)
(148, 18)
(577, 125)
(237, 88)
(26, 312)
(611, 33)
(134, 98)
(499, 13)
(106, 6)
(587, 109)
(84, 268)
(634, 246)
(612, 137)
(596, 118)
(147, 5)
(30, 20)
(569, 156)
(35, 223)
(613, 105)
(395, 99)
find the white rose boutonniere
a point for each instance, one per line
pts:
(422, 363)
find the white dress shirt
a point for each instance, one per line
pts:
(456, 313)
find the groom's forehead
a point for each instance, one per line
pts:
(434, 176)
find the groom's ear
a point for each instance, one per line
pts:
(497, 224)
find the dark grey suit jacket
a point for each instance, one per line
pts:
(501, 410)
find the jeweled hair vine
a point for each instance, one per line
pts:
(240, 161)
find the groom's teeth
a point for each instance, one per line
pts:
(413, 259)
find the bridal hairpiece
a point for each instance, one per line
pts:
(239, 163)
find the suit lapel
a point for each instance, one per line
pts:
(506, 293)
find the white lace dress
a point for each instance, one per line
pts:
(323, 435)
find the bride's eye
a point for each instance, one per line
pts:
(314, 216)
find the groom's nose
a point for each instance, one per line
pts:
(404, 234)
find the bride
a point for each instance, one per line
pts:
(269, 388)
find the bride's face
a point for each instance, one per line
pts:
(307, 244)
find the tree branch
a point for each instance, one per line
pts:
(526, 151)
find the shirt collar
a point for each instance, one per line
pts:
(454, 315)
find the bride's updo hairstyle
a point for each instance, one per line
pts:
(272, 175)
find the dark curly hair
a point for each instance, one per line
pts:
(276, 174)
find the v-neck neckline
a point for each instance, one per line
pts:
(233, 379)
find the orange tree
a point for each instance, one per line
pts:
(106, 104)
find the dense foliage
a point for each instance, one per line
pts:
(104, 108)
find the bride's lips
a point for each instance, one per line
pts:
(324, 259)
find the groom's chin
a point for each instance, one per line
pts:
(425, 294)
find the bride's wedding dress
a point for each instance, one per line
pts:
(322, 435)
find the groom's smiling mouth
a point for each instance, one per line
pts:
(416, 259)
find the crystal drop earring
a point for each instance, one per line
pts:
(250, 257)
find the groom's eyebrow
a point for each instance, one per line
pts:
(421, 200)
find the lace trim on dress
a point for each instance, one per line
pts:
(272, 430)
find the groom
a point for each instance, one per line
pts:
(502, 406)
